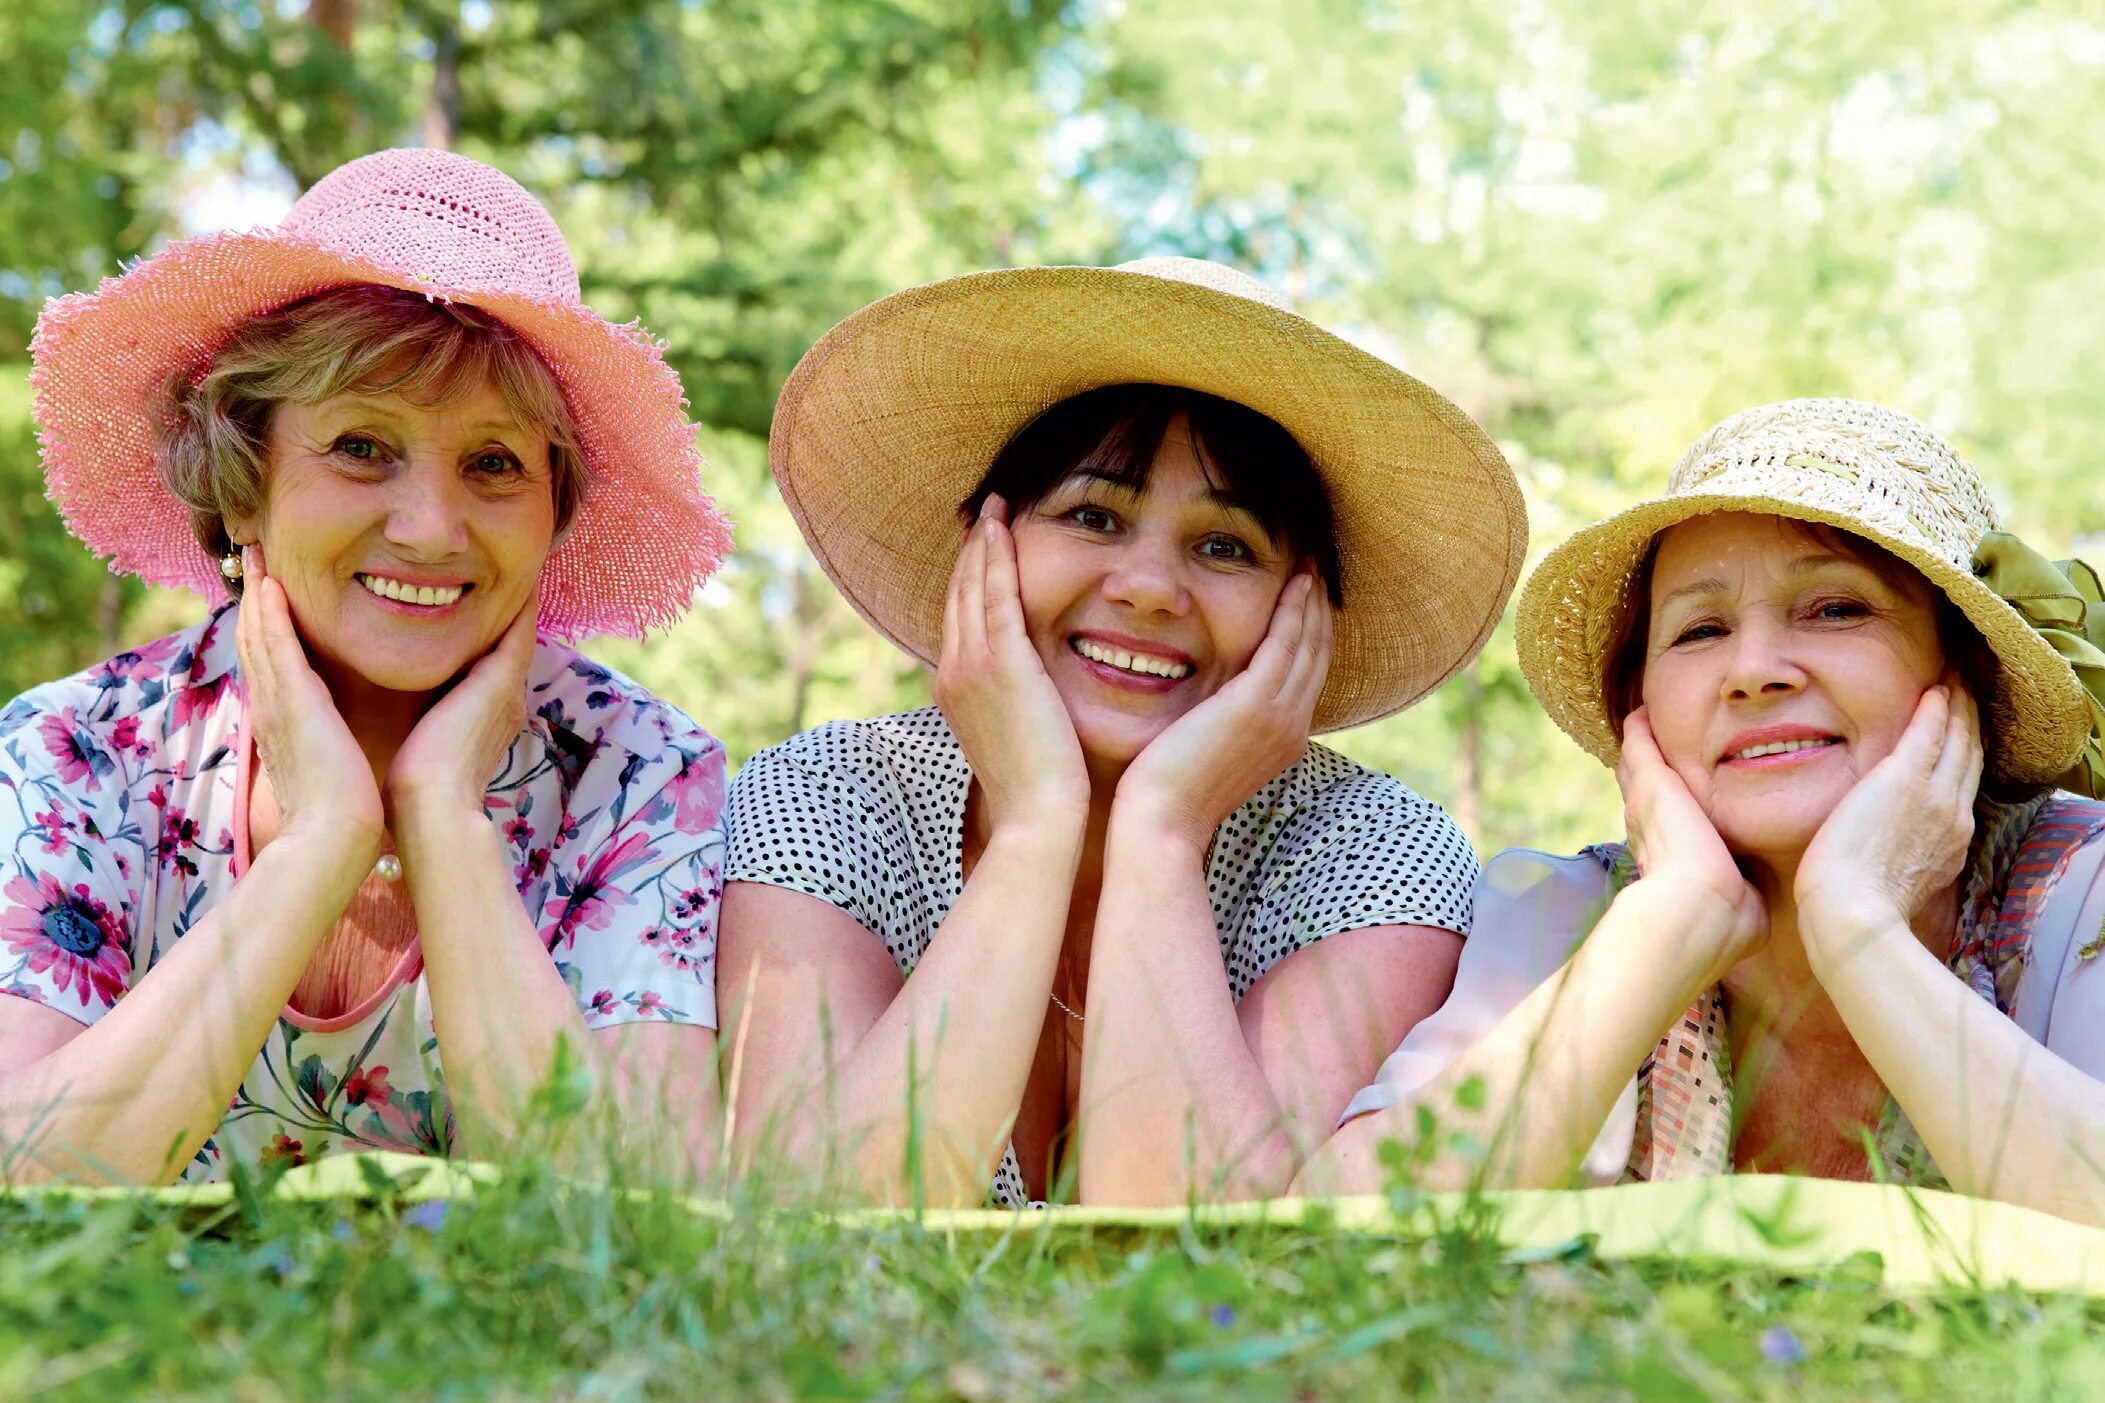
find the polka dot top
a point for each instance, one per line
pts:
(869, 816)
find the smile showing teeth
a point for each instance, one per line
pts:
(1781, 747)
(430, 595)
(1131, 662)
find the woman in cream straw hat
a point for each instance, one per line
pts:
(263, 881)
(1852, 929)
(1102, 923)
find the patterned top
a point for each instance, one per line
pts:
(123, 821)
(869, 816)
(1675, 1119)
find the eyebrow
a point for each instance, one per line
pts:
(1216, 496)
(370, 410)
(1803, 565)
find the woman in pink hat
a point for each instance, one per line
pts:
(362, 858)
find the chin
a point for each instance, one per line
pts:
(391, 667)
(1115, 744)
(1769, 835)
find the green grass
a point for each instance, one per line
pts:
(536, 1289)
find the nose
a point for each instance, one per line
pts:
(1146, 576)
(1760, 665)
(427, 516)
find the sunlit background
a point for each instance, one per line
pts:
(1598, 225)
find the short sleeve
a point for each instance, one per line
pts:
(1528, 912)
(2061, 998)
(1402, 863)
(636, 936)
(67, 910)
(800, 821)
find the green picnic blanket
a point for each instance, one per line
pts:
(1920, 1238)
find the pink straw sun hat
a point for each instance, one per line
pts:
(646, 536)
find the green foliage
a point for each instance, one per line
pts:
(534, 1288)
(1597, 227)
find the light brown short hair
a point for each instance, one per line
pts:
(362, 339)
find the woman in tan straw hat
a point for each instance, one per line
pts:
(265, 881)
(1102, 924)
(1851, 933)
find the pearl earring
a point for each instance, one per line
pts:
(230, 566)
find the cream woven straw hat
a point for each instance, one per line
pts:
(1858, 467)
(891, 420)
(453, 229)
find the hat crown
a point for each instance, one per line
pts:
(1841, 454)
(1215, 277)
(476, 229)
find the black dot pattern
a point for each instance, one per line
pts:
(869, 817)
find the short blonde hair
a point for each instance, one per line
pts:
(362, 339)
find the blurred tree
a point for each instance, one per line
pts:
(1597, 226)
(739, 175)
(1601, 227)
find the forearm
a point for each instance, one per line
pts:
(1174, 1101)
(499, 1007)
(922, 1103)
(2002, 1116)
(133, 1098)
(1545, 1077)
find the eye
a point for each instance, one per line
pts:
(497, 463)
(1839, 610)
(1091, 518)
(1699, 632)
(360, 447)
(1226, 549)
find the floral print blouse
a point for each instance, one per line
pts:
(123, 821)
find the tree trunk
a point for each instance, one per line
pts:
(442, 113)
(1469, 755)
(110, 614)
(806, 612)
(336, 18)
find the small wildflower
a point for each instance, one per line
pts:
(343, 1231)
(429, 1215)
(1223, 1316)
(1780, 1346)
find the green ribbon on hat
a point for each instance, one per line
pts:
(2064, 603)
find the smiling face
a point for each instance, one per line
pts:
(1778, 670)
(1144, 603)
(407, 536)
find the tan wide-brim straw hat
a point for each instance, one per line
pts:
(894, 417)
(1858, 467)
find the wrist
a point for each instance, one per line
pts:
(1835, 927)
(1687, 919)
(1142, 822)
(1045, 833)
(436, 809)
(329, 854)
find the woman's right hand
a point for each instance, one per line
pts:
(1676, 845)
(993, 689)
(320, 778)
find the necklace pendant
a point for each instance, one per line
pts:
(388, 868)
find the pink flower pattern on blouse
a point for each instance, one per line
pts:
(117, 835)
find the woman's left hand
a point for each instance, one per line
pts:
(1205, 764)
(445, 765)
(1901, 835)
